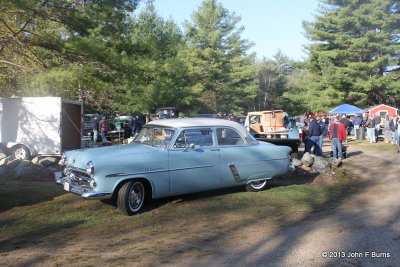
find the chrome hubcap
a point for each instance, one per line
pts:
(258, 184)
(20, 153)
(136, 196)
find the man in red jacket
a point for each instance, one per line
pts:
(337, 133)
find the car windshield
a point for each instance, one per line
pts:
(155, 136)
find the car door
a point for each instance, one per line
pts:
(241, 161)
(195, 168)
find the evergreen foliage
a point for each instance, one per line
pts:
(355, 54)
(222, 76)
(118, 61)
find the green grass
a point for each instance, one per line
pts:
(379, 145)
(39, 211)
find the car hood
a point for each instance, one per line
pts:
(80, 157)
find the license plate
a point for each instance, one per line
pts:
(66, 186)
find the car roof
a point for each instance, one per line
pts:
(196, 122)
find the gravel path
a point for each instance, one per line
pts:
(363, 229)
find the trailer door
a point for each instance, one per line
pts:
(71, 126)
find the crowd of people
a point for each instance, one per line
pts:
(338, 128)
(103, 127)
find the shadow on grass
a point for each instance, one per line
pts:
(354, 153)
(34, 237)
(298, 177)
(21, 193)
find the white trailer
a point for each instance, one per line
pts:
(31, 126)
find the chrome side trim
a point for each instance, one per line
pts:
(261, 160)
(235, 172)
(155, 171)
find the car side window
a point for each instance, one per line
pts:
(228, 137)
(198, 137)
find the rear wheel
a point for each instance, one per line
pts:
(131, 197)
(20, 152)
(256, 186)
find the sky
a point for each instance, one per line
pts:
(270, 24)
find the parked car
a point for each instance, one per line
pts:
(167, 112)
(206, 116)
(172, 157)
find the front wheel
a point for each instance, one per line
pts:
(256, 186)
(131, 197)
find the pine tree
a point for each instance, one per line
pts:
(355, 54)
(222, 76)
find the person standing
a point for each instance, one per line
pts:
(136, 125)
(370, 124)
(314, 131)
(323, 129)
(103, 128)
(95, 129)
(387, 130)
(377, 121)
(364, 118)
(345, 122)
(302, 121)
(397, 136)
(356, 123)
(337, 134)
(393, 125)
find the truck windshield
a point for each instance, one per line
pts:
(155, 136)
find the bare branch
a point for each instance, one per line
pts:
(15, 64)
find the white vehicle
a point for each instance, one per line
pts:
(273, 126)
(31, 126)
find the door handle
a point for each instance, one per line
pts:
(215, 149)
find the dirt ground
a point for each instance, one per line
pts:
(362, 229)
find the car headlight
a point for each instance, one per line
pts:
(90, 169)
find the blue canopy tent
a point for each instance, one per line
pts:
(346, 109)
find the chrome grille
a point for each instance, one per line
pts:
(78, 177)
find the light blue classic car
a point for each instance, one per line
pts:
(172, 157)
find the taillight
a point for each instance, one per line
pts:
(301, 135)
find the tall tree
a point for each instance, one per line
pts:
(40, 40)
(272, 77)
(356, 47)
(222, 75)
(160, 78)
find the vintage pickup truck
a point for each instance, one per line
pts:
(274, 126)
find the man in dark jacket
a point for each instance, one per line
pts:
(314, 131)
(323, 128)
(136, 125)
(377, 120)
(356, 123)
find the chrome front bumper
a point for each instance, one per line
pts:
(85, 192)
